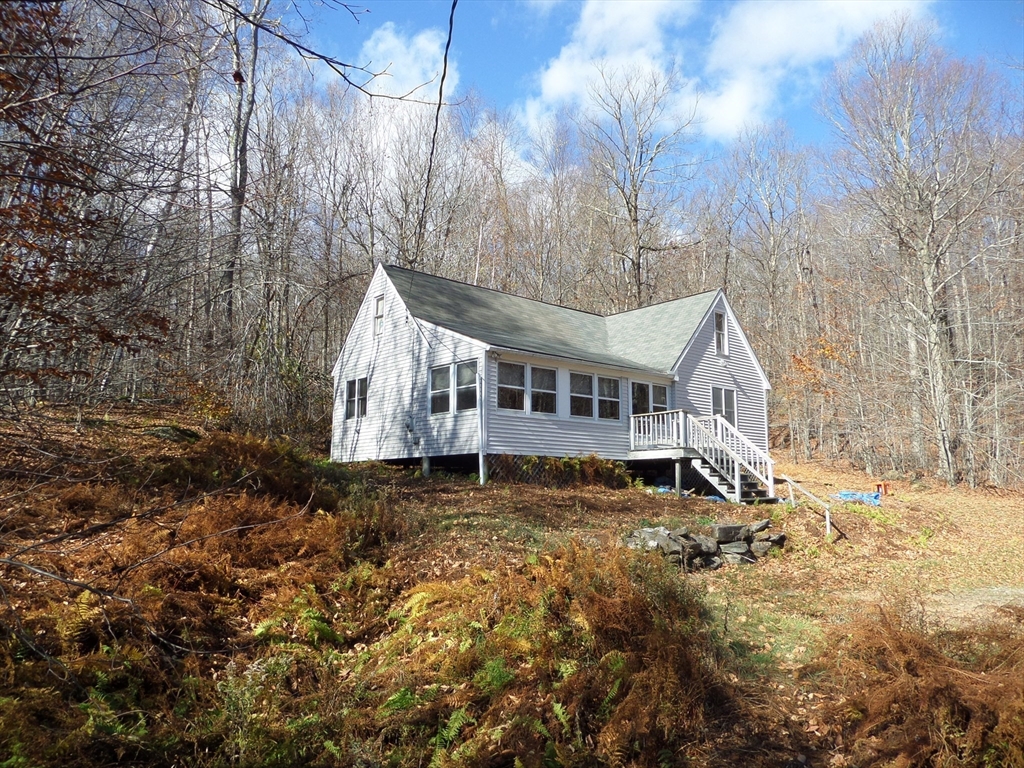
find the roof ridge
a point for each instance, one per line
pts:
(492, 290)
(660, 303)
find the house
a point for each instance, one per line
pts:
(434, 367)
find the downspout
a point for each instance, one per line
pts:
(482, 418)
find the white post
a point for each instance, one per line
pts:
(739, 486)
(425, 466)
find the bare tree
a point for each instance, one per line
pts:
(918, 151)
(635, 135)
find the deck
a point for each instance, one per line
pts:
(724, 456)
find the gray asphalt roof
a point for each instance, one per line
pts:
(650, 338)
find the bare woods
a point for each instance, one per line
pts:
(185, 213)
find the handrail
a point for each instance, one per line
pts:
(724, 446)
(829, 525)
(760, 464)
(658, 430)
(713, 449)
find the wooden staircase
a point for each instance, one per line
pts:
(733, 465)
(751, 489)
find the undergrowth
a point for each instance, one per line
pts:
(914, 697)
(238, 602)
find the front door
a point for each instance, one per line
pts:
(723, 403)
(641, 398)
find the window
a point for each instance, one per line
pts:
(378, 316)
(721, 337)
(607, 398)
(641, 398)
(465, 386)
(512, 386)
(440, 389)
(581, 394)
(542, 389)
(355, 398)
(723, 403)
(649, 398)
(659, 398)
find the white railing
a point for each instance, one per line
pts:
(664, 429)
(756, 461)
(715, 438)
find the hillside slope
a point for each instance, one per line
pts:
(173, 594)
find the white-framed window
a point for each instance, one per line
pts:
(721, 334)
(581, 394)
(543, 389)
(378, 315)
(465, 386)
(512, 386)
(723, 403)
(441, 389)
(649, 398)
(355, 398)
(607, 398)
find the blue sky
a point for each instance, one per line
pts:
(745, 61)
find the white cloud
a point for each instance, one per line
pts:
(760, 44)
(410, 62)
(543, 7)
(610, 34)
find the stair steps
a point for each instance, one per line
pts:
(751, 490)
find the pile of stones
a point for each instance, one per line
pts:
(728, 543)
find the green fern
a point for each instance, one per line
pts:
(563, 718)
(447, 734)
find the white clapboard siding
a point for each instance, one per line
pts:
(701, 368)
(396, 363)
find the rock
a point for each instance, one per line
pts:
(760, 525)
(734, 559)
(777, 539)
(668, 545)
(646, 538)
(760, 548)
(712, 563)
(725, 533)
(708, 545)
(680, 533)
(735, 547)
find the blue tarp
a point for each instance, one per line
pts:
(874, 499)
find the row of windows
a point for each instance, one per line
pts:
(542, 389)
(520, 385)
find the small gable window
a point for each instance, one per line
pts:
(440, 389)
(355, 398)
(512, 386)
(542, 390)
(378, 316)
(721, 334)
(581, 394)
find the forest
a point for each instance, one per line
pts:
(192, 202)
